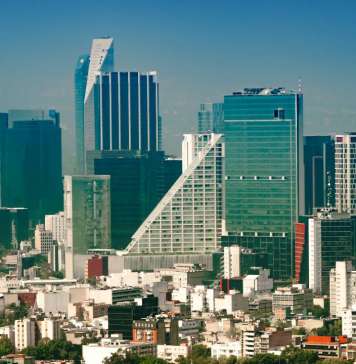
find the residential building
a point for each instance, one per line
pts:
(49, 328)
(327, 347)
(231, 302)
(56, 224)
(96, 266)
(172, 353)
(258, 283)
(237, 261)
(228, 349)
(116, 295)
(210, 118)
(25, 333)
(330, 240)
(188, 218)
(96, 353)
(264, 189)
(296, 298)
(32, 167)
(43, 239)
(80, 82)
(319, 172)
(138, 180)
(345, 172)
(349, 322)
(52, 302)
(342, 288)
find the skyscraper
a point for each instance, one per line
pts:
(138, 182)
(101, 59)
(122, 112)
(188, 218)
(87, 212)
(210, 118)
(319, 172)
(330, 240)
(32, 167)
(15, 115)
(80, 83)
(264, 176)
(345, 172)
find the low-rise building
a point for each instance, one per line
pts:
(257, 283)
(172, 353)
(327, 347)
(232, 348)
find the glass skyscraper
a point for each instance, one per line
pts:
(122, 112)
(264, 176)
(80, 82)
(210, 118)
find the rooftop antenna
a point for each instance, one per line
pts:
(300, 85)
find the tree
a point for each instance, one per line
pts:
(264, 359)
(299, 356)
(319, 312)
(6, 346)
(118, 358)
(335, 361)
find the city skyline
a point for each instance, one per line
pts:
(303, 43)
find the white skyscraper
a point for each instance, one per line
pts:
(188, 218)
(345, 172)
(56, 224)
(101, 60)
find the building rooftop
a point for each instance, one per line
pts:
(263, 91)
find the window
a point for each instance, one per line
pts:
(278, 113)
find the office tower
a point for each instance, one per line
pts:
(3, 127)
(345, 172)
(122, 112)
(56, 225)
(80, 83)
(264, 173)
(138, 182)
(188, 218)
(87, 212)
(15, 115)
(43, 239)
(32, 167)
(342, 288)
(14, 226)
(319, 172)
(211, 118)
(330, 240)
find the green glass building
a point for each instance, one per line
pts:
(264, 173)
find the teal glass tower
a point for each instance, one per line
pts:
(80, 82)
(264, 174)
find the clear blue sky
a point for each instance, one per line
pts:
(201, 49)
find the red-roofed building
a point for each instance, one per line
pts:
(326, 346)
(27, 298)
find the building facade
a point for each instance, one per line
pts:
(56, 225)
(210, 118)
(188, 219)
(345, 172)
(330, 240)
(264, 179)
(87, 212)
(319, 169)
(43, 239)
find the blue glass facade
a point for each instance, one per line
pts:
(80, 81)
(126, 112)
(264, 173)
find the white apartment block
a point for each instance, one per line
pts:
(342, 288)
(257, 283)
(43, 239)
(232, 261)
(25, 333)
(232, 348)
(171, 353)
(345, 172)
(56, 224)
(50, 329)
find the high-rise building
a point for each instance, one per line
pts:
(319, 169)
(56, 225)
(330, 240)
(80, 83)
(43, 239)
(32, 167)
(138, 182)
(188, 218)
(14, 226)
(342, 288)
(122, 112)
(345, 172)
(87, 212)
(210, 118)
(15, 115)
(264, 179)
